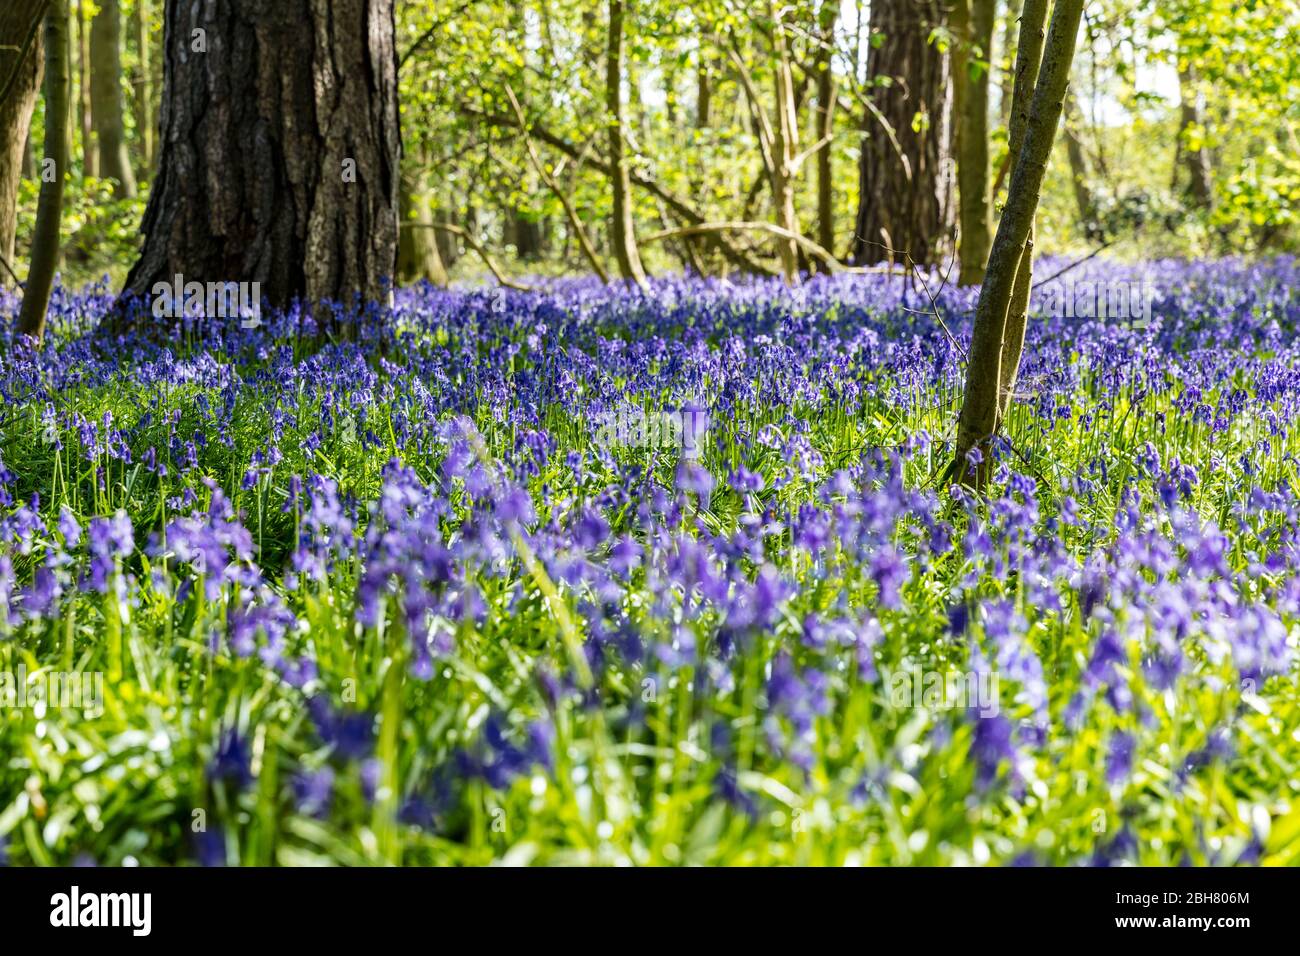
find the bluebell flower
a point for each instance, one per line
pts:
(230, 763)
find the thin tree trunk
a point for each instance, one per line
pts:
(622, 228)
(1013, 335)
(448, 251)
(144, 113)
(1195, 162)
(826, 95)
(972, 22)
(523, 232)
(29, 148)
(106, 97)
(49, 208)
(905, 203)
(703, 118)
(1080, 172)
(417, 252)
(521, 227)
(670, 89)
(21, 54)
(785, 149)
(703, 90)
(983, 403)
(779, 145)
(1010, 28)
(859, 44)
(279, 151)
(85, 109)
(1033, 18)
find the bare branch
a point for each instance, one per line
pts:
(808, 153)
(474, 244)
(680, 206)
(579, 230)
(808, 245)
(428, 34)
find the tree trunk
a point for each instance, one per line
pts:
(1010, 27)
(417, 252)
(622, 230)
(1034, 17)
(905, 207)
(991, 362)
(785, 149)
(85, 109)
(524, 233)
(145, 121)
(1195, 162)
(29, 148)
(49, 208)
(448, 250)
(826, 125)
(703, 91)
(20, 78)
(973, 36)
(521, 227)
(279, 150)
(703, 119)
(1080, 171)
(106, 97)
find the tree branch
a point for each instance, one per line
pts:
(808, 245)
(678, 204)
(427, 35)
(474, 244)
(579, 230)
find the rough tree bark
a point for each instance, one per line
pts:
(991, 352)
(49, 208)
(972, 22)
(905, 205)
(21, 55)
(279, 150)
(106, 97)
(622, 231)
